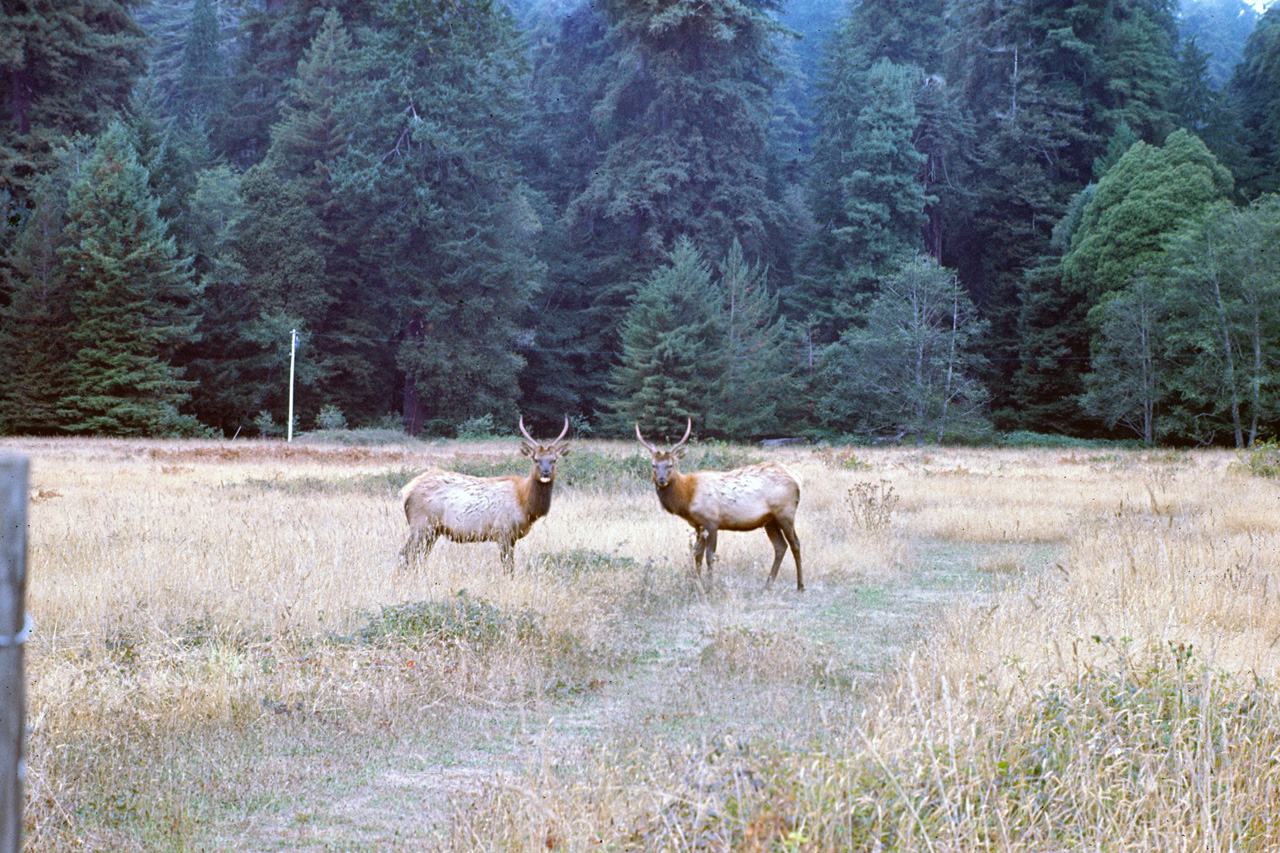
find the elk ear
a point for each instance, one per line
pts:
(678, 452)
(526, 449)
(563, 449)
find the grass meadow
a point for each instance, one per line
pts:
(1049, 650)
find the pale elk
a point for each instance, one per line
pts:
(463, 508)
(764, 495)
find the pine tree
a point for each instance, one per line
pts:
(299, 247)
(685, 125)
(758, 379)
(132, 301)
(35, 307)
(202, 77)
(876, 209)
(1046, 85)
(1255, 89)
(446, 227)
(672, 358)
(67, 69)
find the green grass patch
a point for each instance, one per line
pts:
(461, 619)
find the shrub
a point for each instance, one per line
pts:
(1261, 459)
(461, 619)
(477, 429)
(330, 417)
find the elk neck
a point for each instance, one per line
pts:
(535, 495)
(677, 494)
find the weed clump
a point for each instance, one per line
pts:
(1261, 459)
(462, 619)
(872, 505)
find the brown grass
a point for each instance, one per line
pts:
(1039, 650)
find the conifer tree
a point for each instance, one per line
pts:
(202, 77)
(685, 125)
(1255, 89)
(35, 308)
(299, 249)
(672, 358)
(870, 175)
(132, 303)
(913, 367)
(758, 378)
(446, 226)
(67, 69)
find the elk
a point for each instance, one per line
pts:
(764, 495)
(481, 509)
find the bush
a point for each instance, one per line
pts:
(1261, 459)
(477, 429)
(330, 417)
(461, 619)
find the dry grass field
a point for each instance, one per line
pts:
(1051, 650)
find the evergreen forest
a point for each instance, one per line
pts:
(938, 221)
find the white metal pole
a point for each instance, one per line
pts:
(293, 352)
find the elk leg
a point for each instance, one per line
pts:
(699, 547)
(418, 546)
(508, 557)
(789, 530)
(711, 550)
(779, 549)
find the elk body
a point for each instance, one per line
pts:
(764, 495)
(463, 508)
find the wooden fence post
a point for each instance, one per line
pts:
(14, 628)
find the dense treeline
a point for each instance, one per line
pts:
(929, 221)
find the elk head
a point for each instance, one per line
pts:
(664, 461)
(544, 456)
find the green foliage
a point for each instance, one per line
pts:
(1255, 89)
(133, 302)
(914, 367)
(330, 417)
(591, 469)
(1223, 331)
(1146, 196)
(461, 620)
(869, 194)
(577, 562)
(1261, 459)
(711, 350)
(35, 307)
(445, 227)
(68, 70)
(1130, 371)
(477, 429)
(202, 79)
(671, 361)
(759, 375)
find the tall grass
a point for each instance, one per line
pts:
(1041, 649)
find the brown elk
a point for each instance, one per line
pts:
(481, 509)
(764, 495)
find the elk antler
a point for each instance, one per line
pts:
(647, 446)
(531, 439)
(528, 437)
(678, 444)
